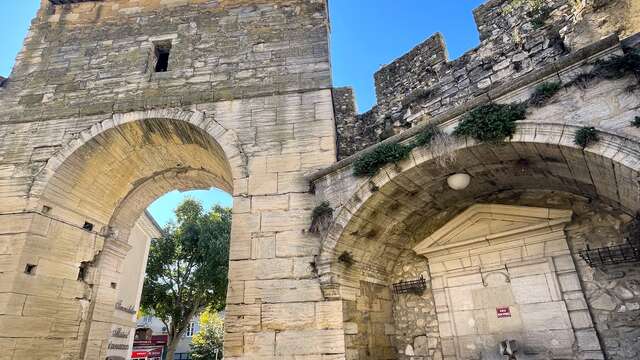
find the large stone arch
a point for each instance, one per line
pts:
(621, 153)
(99, 185)
(386, 215)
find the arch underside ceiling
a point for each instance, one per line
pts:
(405, 203)
(114, 176)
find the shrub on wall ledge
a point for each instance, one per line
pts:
(321, 218)
(491, 123)
(369, 164)
(586, 136)
(618, 67)
(544, 92)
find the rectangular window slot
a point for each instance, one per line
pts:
(114, 285)
(87, 226)
(82, 273)
(162, 52)
(30, 269)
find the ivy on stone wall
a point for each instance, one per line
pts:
(586, 136)
(491, 123)
(369, 164)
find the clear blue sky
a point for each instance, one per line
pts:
(366, 34)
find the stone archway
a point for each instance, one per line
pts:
(387, 215)
(97, 191)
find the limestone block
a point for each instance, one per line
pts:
(262, 344)
(296, 243)
(283, 163)
(263, 184)
(530, 289)
(281, 291)
(48, 349)
(329, 315)
(569, 282)
(545, 316)
(285, 220)
(235, 292)
(288, 316)
(272, 202)
(24, 327)
(263, 246)
(58, 308)
(11, 304)
(309, 342)
(233, 344)
(581, 319)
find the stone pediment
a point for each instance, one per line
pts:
(483, 222)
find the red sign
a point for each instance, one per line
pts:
(147, 353)
(503, 312)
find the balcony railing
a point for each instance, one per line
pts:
(611, 255)
(410, 287)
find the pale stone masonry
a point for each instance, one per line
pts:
(113, 103)
(91, 134)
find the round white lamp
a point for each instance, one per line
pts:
(459, 181)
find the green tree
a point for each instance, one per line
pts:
(187, 268)
(209, 339)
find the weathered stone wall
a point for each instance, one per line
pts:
(98, 57)
(416, 330)
(90, 133)
(368, 323)
(517, 37)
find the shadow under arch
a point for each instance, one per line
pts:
(393, 202)
(388, 214)
(100, 184)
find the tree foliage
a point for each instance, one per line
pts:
(187, 267)
(209, 338)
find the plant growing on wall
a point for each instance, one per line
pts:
(544, 92)
(491, 123)
(586, 136)
(369, 164)
(346, 258)
(321, 217)
(617, 67)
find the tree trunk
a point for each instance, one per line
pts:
(171, 347)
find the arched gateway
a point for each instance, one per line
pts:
(113, 103)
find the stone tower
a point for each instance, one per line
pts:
(112, 104)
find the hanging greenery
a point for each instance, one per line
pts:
(586, 136)
(617, 67)
(491, 123)
(369, 164)
(544, 92)
(321, 218)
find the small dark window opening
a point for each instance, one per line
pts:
(30, 269)
(84, 269)
(114, 285)
(162, 56)
(87, 226)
